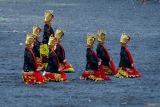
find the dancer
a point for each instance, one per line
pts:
(106, 61)
(92, 72)
(48, 31)
(31, 73)
(54, 72)
(68, 68)
(126, 64)
(36, 34)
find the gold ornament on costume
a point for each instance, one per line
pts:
(36, 30)
(52, 41)
(59, 33)
(101, 36)
(44, 50)
(124, 38)
(90, 40)
(29, 39)
(48, 15)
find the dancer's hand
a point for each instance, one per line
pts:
(60, 69)
(44, 72)
(132, 65)
(99, 63)
(65, 60)
(111, 59)
(39, 69)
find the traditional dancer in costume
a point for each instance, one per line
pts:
(54, 72)
(92, 71)
(68, 68)
(35, 32)
(36, 48)
(48, 17)
(106, 61)
(126, 65)
(31, 74)
(48, 31)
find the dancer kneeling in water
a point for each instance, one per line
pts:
(126, 65)
(68, 68)
(92, 72)
(54, 72)
(31, 73)
(107, 63)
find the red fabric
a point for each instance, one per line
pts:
(129, 55)
(133, 73)
(104, 77)
(28, 78)
(49, 76)
(112, 66)
(97, 74)
(63, 55)
(101, 69)
(39, 78)
(102, 73)
(85, 74)
(63, 75)
(106, 52)
(67, 66)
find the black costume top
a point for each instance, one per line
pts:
(124, 58)
(102, 54)
(92, 60)
(29, 61)
(47, 32)
(36, 48)
(53, 63)
(60, 53)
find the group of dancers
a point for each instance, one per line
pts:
(45, 61)
(99, 63)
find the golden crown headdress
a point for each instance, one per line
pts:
(48, 15)
(90, 39)
(124, 38)
(36, 30)
(101, 36)
(59, 33)
(29, 39)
